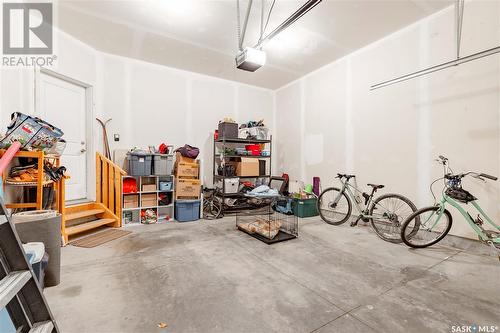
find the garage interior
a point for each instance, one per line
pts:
(250, 166)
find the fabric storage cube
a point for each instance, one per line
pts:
(162, 164)
(228, 130)
(187, 210)
(139, 164)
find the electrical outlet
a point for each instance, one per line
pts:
(116, 137)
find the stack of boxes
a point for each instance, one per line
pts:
(187, 188)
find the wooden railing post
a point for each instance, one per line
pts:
(98, 178)
(109, 185)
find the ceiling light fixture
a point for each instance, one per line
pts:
(252, 58)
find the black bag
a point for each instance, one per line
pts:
(460, 194)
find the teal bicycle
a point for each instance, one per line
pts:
(429, 225)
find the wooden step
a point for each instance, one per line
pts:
(88, 226)
(84, 213)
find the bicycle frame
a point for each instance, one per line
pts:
(347, 187)
(447, 200)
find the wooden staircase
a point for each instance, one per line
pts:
(105, 211)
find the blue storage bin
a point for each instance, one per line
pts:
(187, 210)
(165, 186)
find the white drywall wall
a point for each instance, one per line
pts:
(75, 60)
(392, 135)
(149, 104)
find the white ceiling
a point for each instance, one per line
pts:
(201, 35)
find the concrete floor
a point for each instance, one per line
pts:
(208, 277)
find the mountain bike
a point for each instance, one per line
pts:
(433, 223)
(385, 213)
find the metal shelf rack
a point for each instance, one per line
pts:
(218, 155)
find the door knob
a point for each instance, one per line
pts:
(83, 150)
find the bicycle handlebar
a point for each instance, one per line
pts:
(473, 174)
(488, 176)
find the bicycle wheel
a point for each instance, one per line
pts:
(212, 208)
(334, 207)
(388, 212)
(426, 227)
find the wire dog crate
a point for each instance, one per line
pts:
(267, 224)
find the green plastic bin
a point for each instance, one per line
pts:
(305, 207)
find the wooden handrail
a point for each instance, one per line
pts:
(123, 172)
(109, 184)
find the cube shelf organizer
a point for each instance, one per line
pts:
(156, 193)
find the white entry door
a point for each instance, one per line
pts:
(63, 104)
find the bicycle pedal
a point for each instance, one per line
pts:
(355, 223)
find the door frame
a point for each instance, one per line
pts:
(89, 123)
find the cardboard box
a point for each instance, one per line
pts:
(179, 158)
(148, 200)
(187, 188)
(148, 187)
(187, 170)
(247, 167)
(130, 201)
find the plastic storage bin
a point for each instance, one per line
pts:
(35, 253)
(305, 207)
(187, 210)
(162, 164)
(139, 164)
(165, 186)
(231, 185)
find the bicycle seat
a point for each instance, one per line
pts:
(340, 175)
(375, 186)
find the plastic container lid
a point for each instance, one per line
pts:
(138, 153)
(35, 251)
(188, 201)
